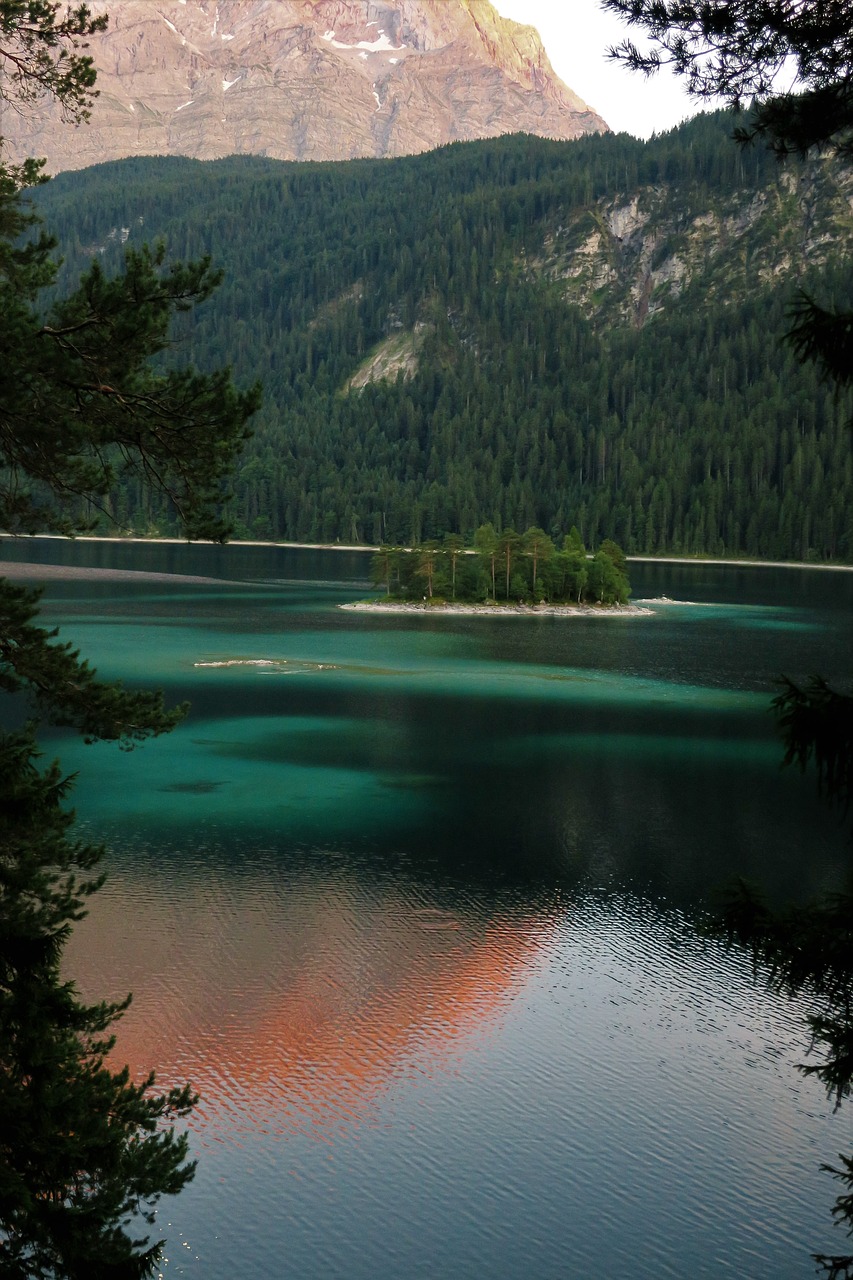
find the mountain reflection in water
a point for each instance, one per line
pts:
(310, 995)
(488, 1062)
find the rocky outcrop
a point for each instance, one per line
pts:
(299, 80)
(628, 258)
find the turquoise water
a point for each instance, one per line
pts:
(409, 900)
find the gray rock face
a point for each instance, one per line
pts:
(300, 80)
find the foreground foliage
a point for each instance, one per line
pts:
(86, 401)
(791, 64)
(85, 1153)
(81, 404)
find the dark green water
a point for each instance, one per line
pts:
(408, 899)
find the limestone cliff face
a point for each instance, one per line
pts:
(300, 80)
(628, 258)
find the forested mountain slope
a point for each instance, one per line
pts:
(518, 330)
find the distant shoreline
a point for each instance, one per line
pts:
(746, 564)
(341, 546)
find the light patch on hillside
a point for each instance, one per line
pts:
(335, 305)
(115, 236)
(397, 354)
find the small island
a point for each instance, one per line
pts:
(502, 573)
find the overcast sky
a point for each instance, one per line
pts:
(576, 35)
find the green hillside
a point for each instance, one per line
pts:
(516, 331)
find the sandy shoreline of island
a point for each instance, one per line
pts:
(501, 610)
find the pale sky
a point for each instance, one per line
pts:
(576, 35)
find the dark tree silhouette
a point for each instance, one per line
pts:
(85, 396)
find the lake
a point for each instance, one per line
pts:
(411, 902)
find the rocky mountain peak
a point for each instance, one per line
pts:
(304, 80)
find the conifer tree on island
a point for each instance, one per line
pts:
(87, 395)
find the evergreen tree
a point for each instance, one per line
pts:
(539, 547)
(507, 546)
(486, 544)
(86, 397)
(454, 545)
(85, 1153)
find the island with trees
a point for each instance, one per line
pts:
(503, 571)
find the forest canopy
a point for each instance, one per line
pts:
(652, 402)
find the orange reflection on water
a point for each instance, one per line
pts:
(297, 1007)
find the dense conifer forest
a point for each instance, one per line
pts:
(673, 420)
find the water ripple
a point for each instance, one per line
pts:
(570, 1075)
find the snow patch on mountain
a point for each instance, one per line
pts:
(380, 45)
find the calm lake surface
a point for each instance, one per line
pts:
(409, 901)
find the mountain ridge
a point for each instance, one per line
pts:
(329, 80)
